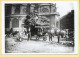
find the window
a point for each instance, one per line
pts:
(17, 9)
(15, 23)
(45, 10)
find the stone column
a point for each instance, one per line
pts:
(55, 21)
(10, 25)
(20, 23)
(52, 20)
(13, 9)
(32, 8)
(59, 23)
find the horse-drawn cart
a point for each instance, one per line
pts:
(41, 35)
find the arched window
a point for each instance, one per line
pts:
(15, 23)
(44, 10)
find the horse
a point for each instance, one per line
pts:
(8, 33)
(11, 32)
(59, 33)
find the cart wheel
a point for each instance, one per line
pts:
(19, 39)
(44, 38)
(37, 38)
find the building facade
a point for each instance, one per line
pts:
(45, 15)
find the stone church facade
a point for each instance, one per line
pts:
(15, 14)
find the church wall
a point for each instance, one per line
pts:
(18, 16)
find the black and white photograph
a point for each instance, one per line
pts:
(40, 27)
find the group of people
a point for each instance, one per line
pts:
(22, 34)
(51, 34)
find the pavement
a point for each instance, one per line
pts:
(36, 46)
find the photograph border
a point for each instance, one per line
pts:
(75, 27)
